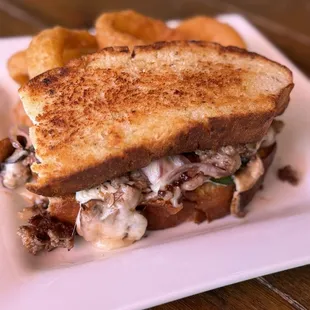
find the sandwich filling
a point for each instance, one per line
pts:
(108, 217)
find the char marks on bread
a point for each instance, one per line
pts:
(115, 111)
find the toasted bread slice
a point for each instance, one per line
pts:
(115, 111)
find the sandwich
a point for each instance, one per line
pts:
(132, 140)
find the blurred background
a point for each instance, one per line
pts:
(286, 23)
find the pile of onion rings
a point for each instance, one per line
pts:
(54, 47)
(130, 28)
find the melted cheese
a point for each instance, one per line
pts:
(114, 224)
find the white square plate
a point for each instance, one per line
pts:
(174, 263)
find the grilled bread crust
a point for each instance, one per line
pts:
(115, 111)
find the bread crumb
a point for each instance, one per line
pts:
(288, 174)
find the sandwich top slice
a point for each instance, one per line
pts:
(115, 111)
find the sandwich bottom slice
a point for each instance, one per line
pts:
(197, 186)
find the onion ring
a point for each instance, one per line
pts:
(46, 50)
(129, 28)
(18, 68)
(20, 116)
(204, 28)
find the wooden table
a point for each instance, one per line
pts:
(286, 23)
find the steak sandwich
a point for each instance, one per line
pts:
(127, 141)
